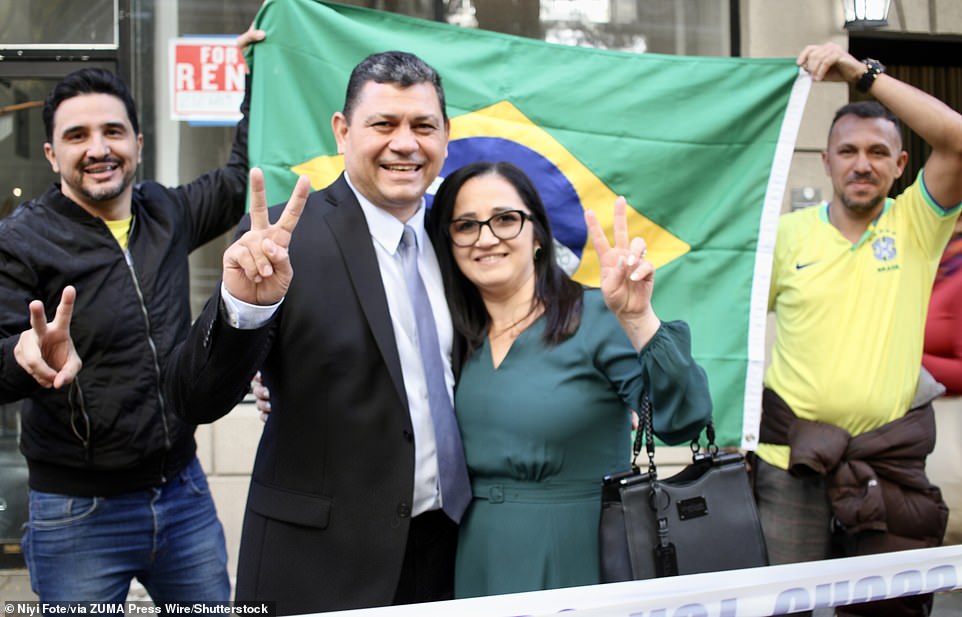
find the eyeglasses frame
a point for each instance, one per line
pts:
(525, 216)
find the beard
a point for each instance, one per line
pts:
(98, 192)
(105, 193)
(862, 206)
(866, 205)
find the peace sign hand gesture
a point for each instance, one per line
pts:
(627, 278)
(46, 350)
(257, 267)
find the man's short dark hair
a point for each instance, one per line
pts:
(866, 109)
(88, 81)
(391, 67)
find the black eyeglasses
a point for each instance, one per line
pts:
(504, 225)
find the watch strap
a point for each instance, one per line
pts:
(874, 68)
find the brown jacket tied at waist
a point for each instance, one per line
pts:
(876, 481)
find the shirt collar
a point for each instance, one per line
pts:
(385, 228)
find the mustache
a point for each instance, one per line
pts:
(863, 177)
(100, 160)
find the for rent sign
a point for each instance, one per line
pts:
(206, 79)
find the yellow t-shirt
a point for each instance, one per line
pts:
(850, 318)
(120, 230)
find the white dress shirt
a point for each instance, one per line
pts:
(386, 232)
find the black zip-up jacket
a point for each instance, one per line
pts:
(110, 431)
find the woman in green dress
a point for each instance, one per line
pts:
(552, 372)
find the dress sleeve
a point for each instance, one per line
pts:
(676, 385)
(664, 369)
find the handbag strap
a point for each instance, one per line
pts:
(664, 554)
(646, 434)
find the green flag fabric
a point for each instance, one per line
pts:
(699, 147)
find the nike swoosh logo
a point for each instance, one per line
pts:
(800, 266)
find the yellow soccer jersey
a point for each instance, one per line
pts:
(850, 318)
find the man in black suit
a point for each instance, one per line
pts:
(345, 508)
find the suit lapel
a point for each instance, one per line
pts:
(353, 238)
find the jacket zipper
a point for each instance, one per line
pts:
(153, 346)
(75, 398)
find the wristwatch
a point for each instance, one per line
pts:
(875, 68)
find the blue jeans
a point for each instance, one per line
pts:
(90, 548)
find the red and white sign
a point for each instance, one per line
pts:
(206, 79)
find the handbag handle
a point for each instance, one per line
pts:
(646, 434)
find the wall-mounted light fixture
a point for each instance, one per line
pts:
(865, 14)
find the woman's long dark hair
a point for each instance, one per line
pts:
(560, 296)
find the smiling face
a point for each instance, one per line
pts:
(394, 144)
(863, 159)
(96, 152)
(499, 268)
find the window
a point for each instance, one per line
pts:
(683, 27)
(59, 24)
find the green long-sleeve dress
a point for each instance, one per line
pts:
(542, 429)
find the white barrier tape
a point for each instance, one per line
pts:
(754, 592)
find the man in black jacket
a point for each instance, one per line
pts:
(116, 490)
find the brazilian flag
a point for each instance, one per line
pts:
(698, 146)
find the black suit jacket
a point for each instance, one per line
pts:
(330, 495)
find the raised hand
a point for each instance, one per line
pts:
(257, 267)
(627, 278)
(829, 62)
(46, 350)
(251, 37)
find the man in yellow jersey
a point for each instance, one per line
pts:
(846, 422)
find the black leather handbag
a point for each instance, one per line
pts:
(703, 519)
